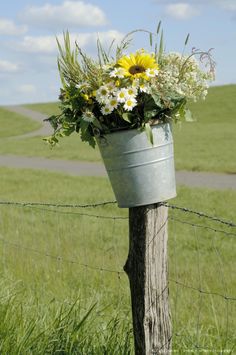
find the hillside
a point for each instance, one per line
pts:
(205, 145)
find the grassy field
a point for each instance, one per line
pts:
(57, 294)
(62, 285)
(205, 145)
(13, 124)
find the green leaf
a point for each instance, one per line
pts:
(148, 115)
(51, 140)
(53, 120)
(151, 108)
(158, 27)
(187, 38)
(86, 135)
(148, 131)
(150, 38)
(96, 123)
(127, 117)
(157, 99)
(161, 47)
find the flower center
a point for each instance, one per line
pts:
(135, 69)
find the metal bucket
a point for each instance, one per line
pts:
(140, 173)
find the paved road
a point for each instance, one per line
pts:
(188, 178)
(192, 179)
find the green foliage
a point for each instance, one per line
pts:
(171, 80)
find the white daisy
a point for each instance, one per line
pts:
(121, 95)
(112, 102)
(117, 72)
(102, 94)
(151, 73)
(110, 86)
(144, 88)
(130, 103)
(88, 116)
(107, 109)
(131, 91)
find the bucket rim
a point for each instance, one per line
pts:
(128, 129)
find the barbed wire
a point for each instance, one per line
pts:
(118, 272)
(58, 257)
(202, 226)
(105, 203)
(227, 298)
(64, 205)
(81, 214)
(198, 290)
(201, 214)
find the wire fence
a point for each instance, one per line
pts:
(56, 241)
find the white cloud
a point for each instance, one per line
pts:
(28, 89)
(8, 27)
(8, 67)
(48, 45)
(39, 44)
(228, 4)
(181, 11)
(69, 13)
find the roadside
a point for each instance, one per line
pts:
(78, 168)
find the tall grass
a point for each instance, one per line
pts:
(62, 285)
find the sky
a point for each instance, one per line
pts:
(28, 31)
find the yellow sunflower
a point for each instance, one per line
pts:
(135, 65)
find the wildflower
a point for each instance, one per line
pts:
(122, 95)
(131, 91)
(110, 85)
(117, 72)
(102, 94)
(107, 109)
(135, 65)
(117, 83)
(151, 73)
(144, 88)
(88, 116)
(112, 102)
(130, 103)
(85, 96)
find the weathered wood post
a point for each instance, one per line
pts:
(147, 270)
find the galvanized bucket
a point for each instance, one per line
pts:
(140, 173)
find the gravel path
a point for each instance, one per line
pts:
(46, 129)
(188, 178)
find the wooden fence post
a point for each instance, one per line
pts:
(147, 270)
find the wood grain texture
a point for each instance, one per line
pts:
(147, 270)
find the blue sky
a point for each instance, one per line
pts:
(28, 52)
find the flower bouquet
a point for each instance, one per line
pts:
(137, 94)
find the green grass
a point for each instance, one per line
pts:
(53, 261)
(49, 108)
(13, 124)
(69, 149)
(206, 145)
(209, 144)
